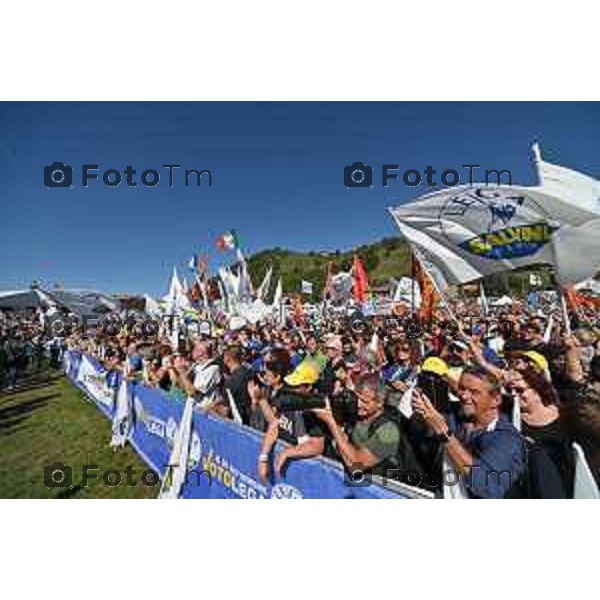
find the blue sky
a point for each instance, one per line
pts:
(277, 177)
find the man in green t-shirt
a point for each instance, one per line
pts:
(374, 440)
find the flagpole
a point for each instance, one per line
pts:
(565, 311)
(205, 300)
(483, 298)
(412, 285)
(435, 286)
(563, 300)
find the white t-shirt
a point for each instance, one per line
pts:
(207, 379)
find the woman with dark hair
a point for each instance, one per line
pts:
(543, 428)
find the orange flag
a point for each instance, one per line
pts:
(428, 293)
(361, 283)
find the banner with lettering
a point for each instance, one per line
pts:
(222, 457)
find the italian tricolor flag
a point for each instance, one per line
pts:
(228, 241)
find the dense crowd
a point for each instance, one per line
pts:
(464, 405)
(25, 348)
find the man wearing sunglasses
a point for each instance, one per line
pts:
(485, 449)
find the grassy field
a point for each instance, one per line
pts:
(49, 420)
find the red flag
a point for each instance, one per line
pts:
(361, 283)
(195, 293)
(202, 267)
(428, 295)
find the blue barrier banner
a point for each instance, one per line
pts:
(223, 456)
(229, 453)
(156, 419)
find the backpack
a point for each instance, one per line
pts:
(404, 466)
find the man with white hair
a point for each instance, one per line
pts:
(335, 367)
(204, 379)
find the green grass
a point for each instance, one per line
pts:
(49, 420)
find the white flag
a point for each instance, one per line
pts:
(483, 303)
(178, 461)
(245, 288)
(278, 294)
(341, 285)
(535, 279)
(407, 290)
(229, 284)
(176, 299)
(570, 186)
(306, 287)
(548, 331)
(585, 484)
(122, 419)
(263, 289)
(470, 232)
(151, 306)
(277, 305)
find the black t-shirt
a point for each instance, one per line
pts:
(164, 383)
(555, 443)
(237, 384)
(329, 375)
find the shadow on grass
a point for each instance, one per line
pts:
(69, 492)
(11, 416)
(32, 383)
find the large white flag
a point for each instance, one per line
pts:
(229, 282)
(263, 289)
(245, 288)
(570, 186)
(277, 305)
(177, 468)
(176, 299)
(469, 232)
(278, 294)
(122, 418)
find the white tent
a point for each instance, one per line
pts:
(78, 301)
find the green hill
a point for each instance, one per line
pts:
(388, 258)
(385, 259)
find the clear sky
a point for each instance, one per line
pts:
(277, 177)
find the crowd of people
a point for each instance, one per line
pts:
(25, 348)
(469, 405)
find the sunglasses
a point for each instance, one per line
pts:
(519, 390)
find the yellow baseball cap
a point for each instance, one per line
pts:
(539, 360)
(306, 373)
(436, 365)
